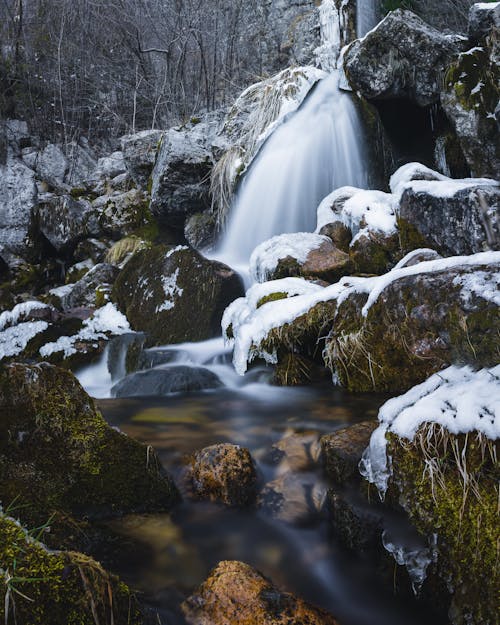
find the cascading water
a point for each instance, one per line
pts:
(366, 16)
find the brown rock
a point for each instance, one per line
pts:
(293, 499)
(235, 593)
(225, 474)
(327, 263)
(340, 234)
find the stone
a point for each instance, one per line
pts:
(484, 18)
(339, 233)
(223, 474)
(139, 153)
(166, 380)
(111, 166)
(299, 451)
(402, 57)
(18, 197)
(460, 223)
(293, 499)
(234, 592)
(180, 179)
(81, 163)
(58, 453)
(343, 449)
(201, 230)
(418, 256)
(124, 214)
(92, 290)
(326, 263)
(51, 165)
(174, 294)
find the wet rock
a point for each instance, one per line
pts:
(166, 380)
(18, 197)
(52, 586)
(403, 57)
(174, 294)
(460, 223)
(343, 449)
(64, 221)
(180, 179)
(58, 453)
(236, 593)
(200, 230)
(224, 474)
(92, 290)
(139, 153)
(293, 499)
(299, 451)
(123, 353)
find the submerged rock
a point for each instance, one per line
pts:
(236, 593)
(174, 294)
(224, 474)
(402, 57)
(58, 453)
(166, 380)
(293, 499)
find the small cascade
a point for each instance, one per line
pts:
(366, 16)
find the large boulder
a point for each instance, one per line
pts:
(166, 380)
(403, 57)
(126, 213)
(139, 153)
(18, 196)
(484, 18)
(91, 290)
(224, 474)
(58, 454)
(181, 176)
(234, 593)
(174, 294)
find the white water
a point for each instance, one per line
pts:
(366, 16)
(317, 150)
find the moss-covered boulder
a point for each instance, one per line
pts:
(45, 587)
(174, 294)
(58, 453)
(123, 214)
(234, 593)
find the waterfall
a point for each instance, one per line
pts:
(366, 16)
(316, 150)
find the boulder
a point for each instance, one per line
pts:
(58, 453)
(402, 57)
(92, 290)
(224, 474)
(139, 153)
(64, 221)
(51, 165)
(81, 163)
(484, 18)
(174, 294)
(123, 214)
(462, 221)
(234, 593)
(111, 166)
(181, 176)
(18, 197)
(165, 380)
(343, 449)
(201, 230)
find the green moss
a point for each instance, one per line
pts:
(463, 514)
(77, 192)
(102, 295)
(272, 297)
(293, 370)
(42, 587)
(410, 238)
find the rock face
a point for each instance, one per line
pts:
(139, 154)
(463, 222)
(123, 214)
(180, 179)
(58, 453)
(236, 593)
(18, 196)
(483, 19)
(162, 381)
(403, 57)
(175, 294)
(224, 474)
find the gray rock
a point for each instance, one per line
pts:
(51, 165)
(463, 223)
(121, 214)
(111, 166)
(139, 153)
(200, 230)
(166, 380)
(18, 197)
(483, 19)
(65, 221)
(403, 57)
(81, 164)
(14, 137)
(181, 176)
(94, 286)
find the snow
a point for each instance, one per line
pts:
(459, 399)
(170, 289)
(250, 326)
(480, 283)
(14, 340)
(327, 53)
(359, 210)
(266, 256)
(411, 255)
(62, 291)
(20, 312)
(106, 320)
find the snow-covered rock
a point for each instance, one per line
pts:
(90, 291)
(18, 197)
(139, 153)
(402, 57)
(484, 18)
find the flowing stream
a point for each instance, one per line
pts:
(314, 151)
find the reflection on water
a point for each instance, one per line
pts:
(167, 556)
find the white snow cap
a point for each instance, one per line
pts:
(460, 399)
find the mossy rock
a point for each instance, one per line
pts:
(174, 294)
(43, 587)
(58, 454)
(375, 253)
(459, 504)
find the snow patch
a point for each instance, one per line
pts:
(13, 340)
(171, 290)
(20, 312)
